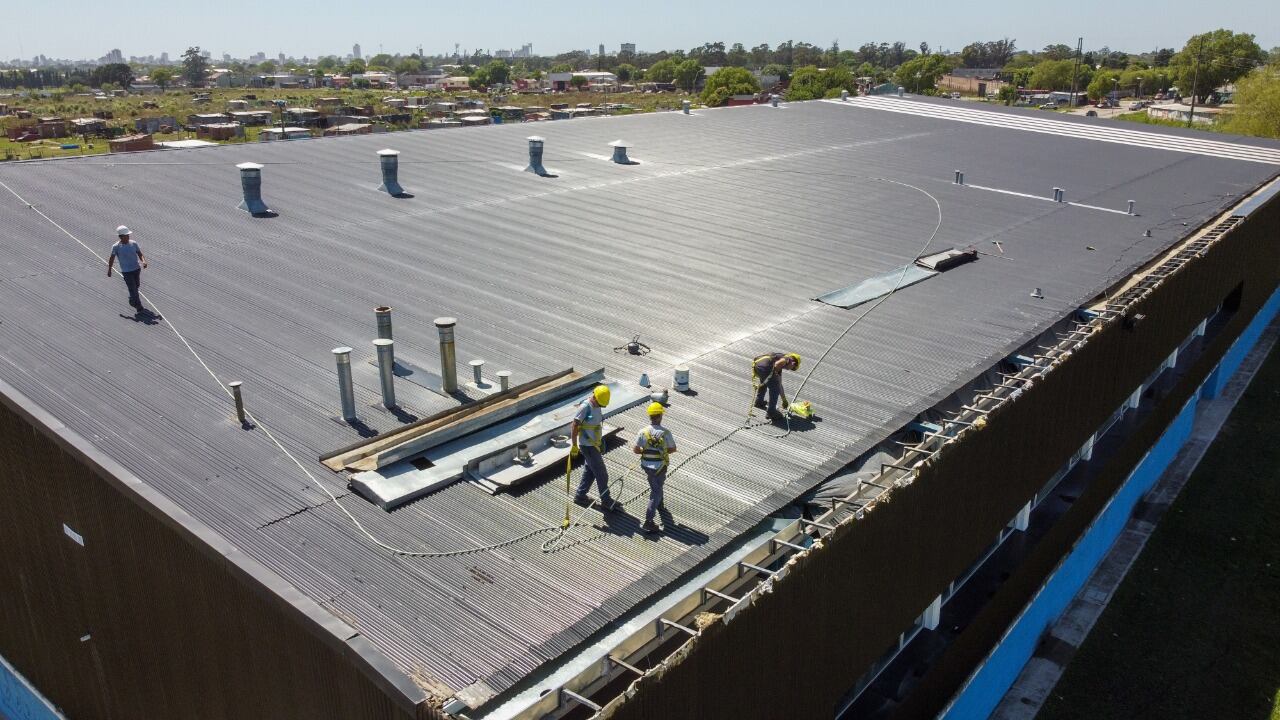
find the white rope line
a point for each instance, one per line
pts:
(257, 422)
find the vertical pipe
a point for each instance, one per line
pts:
(620, 152)
(477, 371)
(390, 162)
(386, 370)
(346, 392)
(251, 187)
(684, 105)
(1130, 207)
(239, 399)
(448, 357)
(535, 155)
(383, 313)
(504, 379)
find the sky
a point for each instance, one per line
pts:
(82, 29)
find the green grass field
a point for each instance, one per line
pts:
(1193, 632)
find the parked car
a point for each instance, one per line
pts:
(955, 96)
(1137, 105)
(1049, 106)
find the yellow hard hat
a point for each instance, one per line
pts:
(655, 408)
(795, 358)
(602, 395)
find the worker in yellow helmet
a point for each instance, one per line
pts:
(766, 375)
(654, 445)
(587, 435)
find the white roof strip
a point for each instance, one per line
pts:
(1099, 133)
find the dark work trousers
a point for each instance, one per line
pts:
(771, 383)
(593, 469)
(657, 478)
(132, 280)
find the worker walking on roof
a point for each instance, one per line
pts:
(654, 445)
(131, 263)
(766, 375)
(587, 436)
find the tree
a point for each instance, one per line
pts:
(994, 54)
(499, 72)
(688, 73)
(626, 72)
(1257, 104)
(810, 83)
(327, 64)
(561, 68)
(355, 67)
(162, 76)
(409, 66)
(114, 73)
(737, 56)
(380, 60)
(1102, 84)
(194, 66)
(727, 82)
(1213, 59)
(267, 66)
(922, 73)
(775, 69)
(1052, 75)
(578, 82)
(1057, 51)
(1008, 94)
(1161, 57)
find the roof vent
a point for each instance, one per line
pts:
(684, 105)
(251, 184)
(535, 156)
(620, 153)
(386, 371)
(844, 95)
(390, 160)
(346, 390)
(773, 100)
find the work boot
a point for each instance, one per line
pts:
(582, 500)
(610, 506)
(762, 405)
(650, 527)
(775, 416)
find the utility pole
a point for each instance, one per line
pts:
(1195, 80)
(1075, 69)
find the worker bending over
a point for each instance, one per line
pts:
(654, 445)
(766, 375)
(587, 436)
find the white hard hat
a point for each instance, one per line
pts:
(122, 230)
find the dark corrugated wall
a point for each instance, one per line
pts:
(799, 648)
(173, 630)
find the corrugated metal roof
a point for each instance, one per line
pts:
(709, 248)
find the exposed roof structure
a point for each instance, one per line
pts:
(709, 246)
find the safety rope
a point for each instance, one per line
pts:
(554, 544)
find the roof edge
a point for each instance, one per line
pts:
(324, 624)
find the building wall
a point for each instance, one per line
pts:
(844, 604)
(154, 616)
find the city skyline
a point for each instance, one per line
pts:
(505, 25)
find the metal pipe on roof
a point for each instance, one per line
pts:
(684, 106)
(390, 161)
(1131, 203)
(535, 155)
(346, 391)
(239, 399)
(448, 356)
(383, 313)
(251, 187)
(773, 100)
(386, 370)
(504, 379)
(620, 152)
(477, 371)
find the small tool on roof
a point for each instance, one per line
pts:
(635, 347)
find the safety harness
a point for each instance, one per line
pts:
(655, 448)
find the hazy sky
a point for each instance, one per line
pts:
(82, 29)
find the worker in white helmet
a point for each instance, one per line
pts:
(587, 436)
(654, 445)
(131, 263)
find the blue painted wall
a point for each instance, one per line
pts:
(985, 690)
(20, 701)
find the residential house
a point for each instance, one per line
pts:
(131, 143)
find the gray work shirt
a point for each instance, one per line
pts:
(590, 419)
(127, 255)
(654, 439)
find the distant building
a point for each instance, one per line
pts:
(288, 133)
(131, 143)
(355, 51)
(198, 119)
(628, 49)
(220, 131)
(155, 124)
(1181, 112)
(599, 81)
(251, 117)
(601, 50)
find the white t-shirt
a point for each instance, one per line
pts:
(658, 434)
